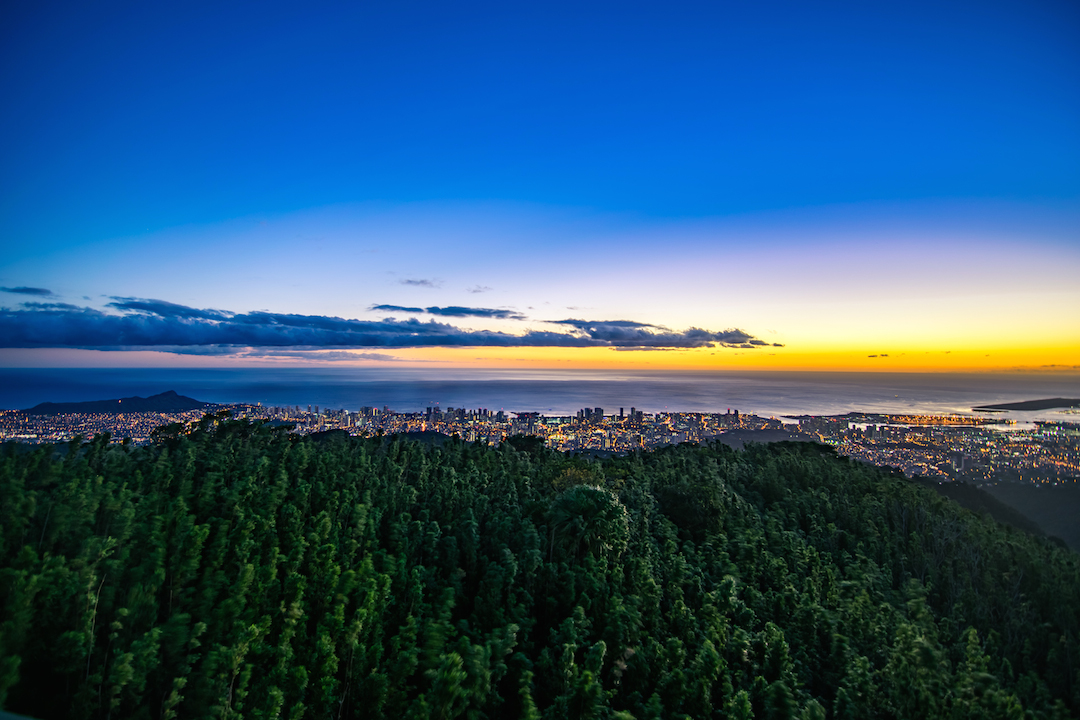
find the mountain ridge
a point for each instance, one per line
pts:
(168, 401)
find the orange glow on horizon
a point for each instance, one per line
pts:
(1063, 359)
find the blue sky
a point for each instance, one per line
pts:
(147, 143)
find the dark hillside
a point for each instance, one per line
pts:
(980, 501)
(239, 571)
(1056, 508)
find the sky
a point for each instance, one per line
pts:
(775, 185)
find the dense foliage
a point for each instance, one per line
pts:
(239, 571)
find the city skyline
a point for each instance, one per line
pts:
(700, 187)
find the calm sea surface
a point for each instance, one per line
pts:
(552, 392)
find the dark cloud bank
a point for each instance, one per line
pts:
(133, 323)
(40, 292)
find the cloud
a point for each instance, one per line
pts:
(420, 282)
(381, 357)
(582, 324)
(629, 333)
(320, 355)
(49, 306)
(40, 292)
(166, 309)
(454, 311)
(479, 289)
(298, 353)
(156, 324)
(198, 350)
(647, 349)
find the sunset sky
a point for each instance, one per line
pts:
(835, 186)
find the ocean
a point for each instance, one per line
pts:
(554, 392)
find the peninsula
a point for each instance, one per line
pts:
(1047, 404)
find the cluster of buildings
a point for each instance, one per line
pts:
(590, 429)
(31, 428)
(950, 447)
(971, 449)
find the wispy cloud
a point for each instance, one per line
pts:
(49, 306)
(479, 289)
(155, 324)
(420, 282)
(320, 355)
(454, 311)
(40, 292)
(647, 349)
(583, 324)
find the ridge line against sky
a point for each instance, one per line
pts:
(824, 186)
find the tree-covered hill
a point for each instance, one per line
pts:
(239, 571)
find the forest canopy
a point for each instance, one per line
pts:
(239, 571)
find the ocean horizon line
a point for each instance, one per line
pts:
(561, 391)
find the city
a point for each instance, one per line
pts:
(540, 360)
(966, 448)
